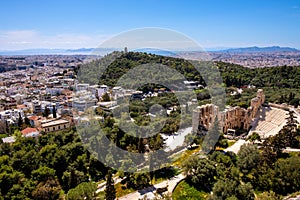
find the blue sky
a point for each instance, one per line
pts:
(212, 23)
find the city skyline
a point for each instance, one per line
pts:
(213, 24)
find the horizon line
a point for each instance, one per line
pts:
(213, 48)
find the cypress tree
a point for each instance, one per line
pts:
(54, 111)
(20, 120)
(110, 191)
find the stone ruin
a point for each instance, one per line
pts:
(230, 118)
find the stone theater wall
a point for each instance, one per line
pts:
(230, 118)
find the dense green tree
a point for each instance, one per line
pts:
(225, 165)
(72, 177)
(222, 142)
(37, 161)
(43, 174)
(6, 149)
(200, 171)
(268, 196)
(139, 180)
(231, 189)
(156, 142)
(254, 137)
(295, 102)
(189, 140)
(287, 175)
(47, 190)
(262, 178)
(8, 178)
(248, 158)
(85, 190)
(24, 161)
(17, 192)
(268, 156)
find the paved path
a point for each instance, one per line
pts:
(177, 139)
(101, 186)
(287, 150)
(292, 198)
(236, 146)
(171, 183)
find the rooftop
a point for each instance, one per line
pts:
(29, 130)
(54, 123)
(9, 139)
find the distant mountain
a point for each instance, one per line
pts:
(33, 52)
(156, 51)
(259, 49)
(81, 51)
(103, 51)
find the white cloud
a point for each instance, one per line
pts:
(24, 39)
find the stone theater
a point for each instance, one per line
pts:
(230, 118)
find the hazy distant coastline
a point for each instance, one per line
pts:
(87, 51)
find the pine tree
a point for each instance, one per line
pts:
(290, 130)
(110, 191)
(291, 120)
